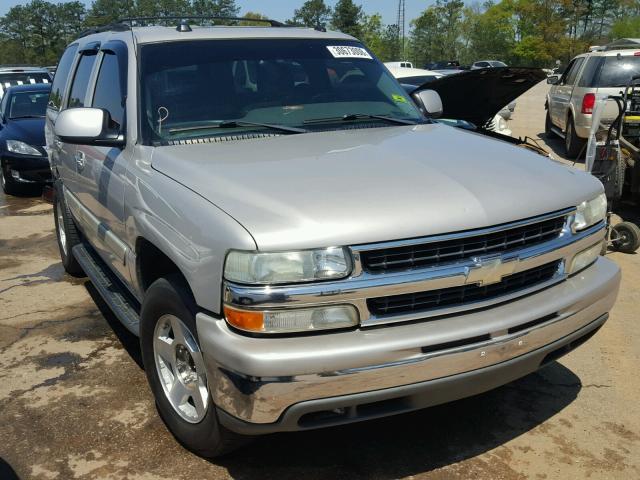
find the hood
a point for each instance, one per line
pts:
(351, 187)
(27, 130)
(478, 95)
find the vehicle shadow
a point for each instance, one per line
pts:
(412, 443)
(555, 145)
(128, 340)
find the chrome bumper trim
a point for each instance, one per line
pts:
(355, 290)
(257, 379)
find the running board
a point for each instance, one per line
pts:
(110, 288)
(558, 132)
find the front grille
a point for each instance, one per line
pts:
(447, 251)
(465, 294)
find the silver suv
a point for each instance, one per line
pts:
(296, 244)
(572, 96)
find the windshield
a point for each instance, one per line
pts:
(21, 78)
(191, 89)
(618, 70)
(28, 104)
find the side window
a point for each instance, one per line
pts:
(573, 71)
(108, 91)
(591, 69)
(3, 106)
(61, 77)
(81, 80)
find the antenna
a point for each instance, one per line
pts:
(401, 32)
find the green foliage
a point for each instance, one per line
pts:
(626, 28)
(347, 18)
(519, 32)
(313, 13)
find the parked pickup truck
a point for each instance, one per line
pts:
(296, 243)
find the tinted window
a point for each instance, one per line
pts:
(190, 88)
(497, 64)
(27, 104)
(573, 71)
(81, 81)
(590, 72)
(62, 74)
(108, 93)
(617, 71)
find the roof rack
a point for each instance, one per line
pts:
(182, 20)
(111, 27)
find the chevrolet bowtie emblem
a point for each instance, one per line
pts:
(488, 270)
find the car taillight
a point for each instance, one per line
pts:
(588, 101)
(636, 54)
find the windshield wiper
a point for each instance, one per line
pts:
(239, 123)
(348, 117)
(26, 116)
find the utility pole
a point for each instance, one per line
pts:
(401, 28)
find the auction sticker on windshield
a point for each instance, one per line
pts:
(348, 52)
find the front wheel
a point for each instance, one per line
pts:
(175, 369)
(67, 234)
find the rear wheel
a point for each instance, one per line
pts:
(572, 143)
(67, 234)
(625, 237)
(175, 369)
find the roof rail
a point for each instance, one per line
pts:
(182, 19)
(111, 27)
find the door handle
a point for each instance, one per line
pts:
(80, 160)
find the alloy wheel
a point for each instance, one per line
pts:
(180, 368)
(62, 234)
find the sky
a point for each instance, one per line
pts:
(283, 9)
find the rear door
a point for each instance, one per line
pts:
(101, 170)
(561, 94)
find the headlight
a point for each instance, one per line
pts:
(292, 320)
(584, 258)
(590, 212)
(21, 148)
(287, 267)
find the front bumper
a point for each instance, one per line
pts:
(264, 385)
(28, 168)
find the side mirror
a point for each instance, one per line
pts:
(553, 79)
(429, 102)
(87, 126)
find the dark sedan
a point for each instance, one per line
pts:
(24, 164)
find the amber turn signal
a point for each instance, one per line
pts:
(244, 320)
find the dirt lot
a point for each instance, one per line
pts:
(74, 402)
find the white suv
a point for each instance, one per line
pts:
(571, 98)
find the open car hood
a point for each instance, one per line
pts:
(478, 95)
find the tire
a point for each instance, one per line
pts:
(173, 363)
(548, 127)
(625, 237)
(67, 234)
(9, 185)
(572, 143)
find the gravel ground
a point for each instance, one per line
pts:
(74, 402)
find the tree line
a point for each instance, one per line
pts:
(519, 32)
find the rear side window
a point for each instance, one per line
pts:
(61, 77)
(108, 92)
(617, 71)
(81, 81)
(590, 72)
(573, 72)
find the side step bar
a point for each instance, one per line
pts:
(120, 301)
